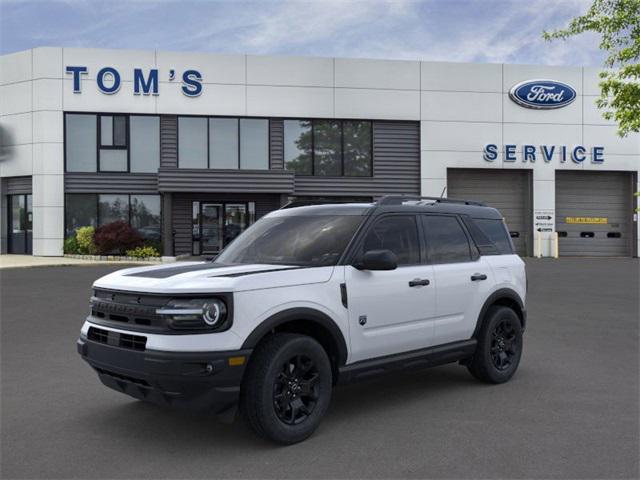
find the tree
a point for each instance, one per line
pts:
(618, 23)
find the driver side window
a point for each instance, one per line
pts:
(398, 233)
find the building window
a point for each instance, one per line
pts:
(254, 144)
(81, 210)
(112, 208)
(112, 143)
(145, 216)
(192, 142)
(80, 142)
(357, 148)
(223, 143)
(328, 147)
(142, 212)
(297, 146)
(144, 132)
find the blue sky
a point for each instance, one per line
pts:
(452, 30)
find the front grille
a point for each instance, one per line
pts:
(116, 339)
(138, 311)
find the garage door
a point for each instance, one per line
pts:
(506, 190)
(594, 213)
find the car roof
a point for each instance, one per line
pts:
(395, 204)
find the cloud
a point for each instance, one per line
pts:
(452, 30)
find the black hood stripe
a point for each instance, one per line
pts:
(254, 272)
(177, 270)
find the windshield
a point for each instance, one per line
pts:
(310, 241)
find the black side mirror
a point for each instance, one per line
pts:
(377, 260)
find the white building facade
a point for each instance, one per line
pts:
(191, 148)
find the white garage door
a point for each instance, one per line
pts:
(507, 190)
(594, 216)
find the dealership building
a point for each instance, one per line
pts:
(191, 148)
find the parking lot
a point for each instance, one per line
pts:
(572, 410)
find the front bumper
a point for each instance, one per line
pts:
(195, 380)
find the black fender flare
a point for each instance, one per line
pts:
(300, 314)
(495, 297)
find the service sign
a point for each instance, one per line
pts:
(542, 94)
(544, 220)
(587, 220)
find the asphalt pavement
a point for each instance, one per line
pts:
(571, 411)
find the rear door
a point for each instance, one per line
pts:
(462, 278)
(391, 311)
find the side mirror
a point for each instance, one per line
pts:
(377, 260)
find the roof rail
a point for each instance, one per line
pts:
(307, 203)
(399, 199)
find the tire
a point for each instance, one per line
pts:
(287, 388)
(499, 347)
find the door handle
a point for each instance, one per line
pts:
(419, 282)
(478, 276)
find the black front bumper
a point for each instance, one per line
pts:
(198, 381)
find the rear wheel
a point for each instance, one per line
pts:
(499, 346)
(287, 388)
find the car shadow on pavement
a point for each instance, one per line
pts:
(158, 426)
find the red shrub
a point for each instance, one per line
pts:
(116, 238)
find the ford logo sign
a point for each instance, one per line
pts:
(542, 94)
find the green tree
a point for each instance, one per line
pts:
(618, 23)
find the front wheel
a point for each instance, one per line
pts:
(287, 388)
(499, 347)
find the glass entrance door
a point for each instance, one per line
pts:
(20, 222)
(211, 225)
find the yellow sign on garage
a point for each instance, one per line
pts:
(587, 220)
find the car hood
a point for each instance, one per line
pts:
(204, 277)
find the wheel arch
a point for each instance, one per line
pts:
(504, 297)
(307, 321)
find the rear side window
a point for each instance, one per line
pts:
(398, 233)
(446, 240)
(497, 233)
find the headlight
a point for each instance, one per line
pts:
(194, 313)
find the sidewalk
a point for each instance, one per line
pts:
(25, 261)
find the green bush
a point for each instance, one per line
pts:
(143, 252)
(71, 246)
(84, 237)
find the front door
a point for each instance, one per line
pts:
(391, 311)
(20, 221)
(211, 228)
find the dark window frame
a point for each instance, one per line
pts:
(98, 139)
(100, 147)
(342, 121)
(233, 117)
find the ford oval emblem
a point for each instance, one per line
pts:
(542, 94)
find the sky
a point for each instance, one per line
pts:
(488, 31)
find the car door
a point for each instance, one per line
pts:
(462, 278)
(390, 311)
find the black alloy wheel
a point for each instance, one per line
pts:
(295, 390)
(499, 347)
(503, 345)
(286, 389)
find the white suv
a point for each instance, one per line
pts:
(309, 297)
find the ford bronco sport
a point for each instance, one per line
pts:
(309, 297)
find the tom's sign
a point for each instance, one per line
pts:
(109, 80)
(542, 94)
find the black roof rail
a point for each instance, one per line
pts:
(399, 199)
(307, 203)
